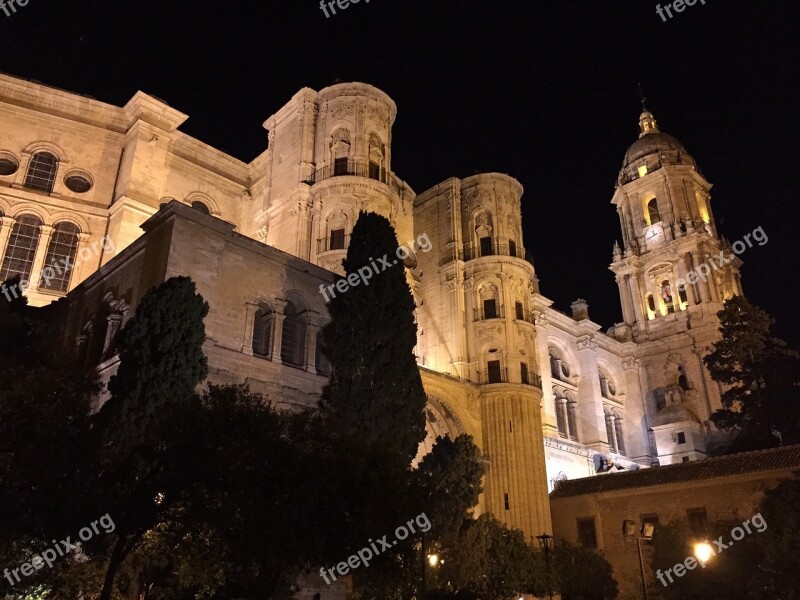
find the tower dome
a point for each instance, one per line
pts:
(652, 150)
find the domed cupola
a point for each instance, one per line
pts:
(652, 151)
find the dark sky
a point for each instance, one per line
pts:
(545, 90)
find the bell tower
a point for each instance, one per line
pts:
(674, 273)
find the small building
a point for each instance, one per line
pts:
(590, 511)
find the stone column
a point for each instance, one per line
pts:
(280, 305)
(517, 468)
(636, 297)
(312, 328)
(590, 408)
(704, 293)
(6, 225)
(628, 315)
(41, 254)
(250, 311)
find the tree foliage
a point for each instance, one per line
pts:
(761, 376)
(375, 388)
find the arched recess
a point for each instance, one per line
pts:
(212, 207)
(483, 232)
(337, 224)
(568, 355)
(71, 217)
(340, 149)
(440, 421)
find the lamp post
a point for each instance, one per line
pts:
(546, 544)
(646, 533)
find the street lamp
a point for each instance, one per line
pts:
(546, 544)
(433, 559)
(646, 533)
(703, 552)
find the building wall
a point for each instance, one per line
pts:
(734, 498)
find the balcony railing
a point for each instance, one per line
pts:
(358, 169)
(501, 376)
(339, 242)
(524, 315)
(472, 251)
(482, 314)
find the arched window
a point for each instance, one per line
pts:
(376, 165)
(683, 380)
(293, 340)
(57, 270)
(42, 172)
(262, 331)
(340, 152)
(652, 211)
(558, 367)
(666, 296)
(200, 207)
(322, 362)
(21, 249)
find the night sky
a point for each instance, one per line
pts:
(544, 90)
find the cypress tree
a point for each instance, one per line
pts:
(375, 388)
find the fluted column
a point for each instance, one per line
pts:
(517, 461)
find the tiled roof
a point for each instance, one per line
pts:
(773, 459)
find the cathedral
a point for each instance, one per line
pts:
(100, 203)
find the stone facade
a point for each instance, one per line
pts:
(547, 396)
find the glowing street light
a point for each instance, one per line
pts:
(433, 559)
(703, 552)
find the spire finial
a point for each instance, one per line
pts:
(642, 98)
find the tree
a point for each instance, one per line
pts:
(45, 436)
(375, 388)
(778, 570)
(595, 582)
(762, 379)
(145, 447)
(492, 562)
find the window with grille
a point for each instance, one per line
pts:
(58, 267)
(21, 249)
(340, 166)
(337, 239)
(262, 331)
(490, 309)
(698, 520)
(494, 373)
(587, 533)
(42, 172)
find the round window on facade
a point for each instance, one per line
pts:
(8, 165)
(78, 183)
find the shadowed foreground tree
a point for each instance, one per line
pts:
(761, 402)
(375, 388)
(146, 445)
(44, 436)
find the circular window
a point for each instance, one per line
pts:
(8, 166)
(78, 183)
(564, 369)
